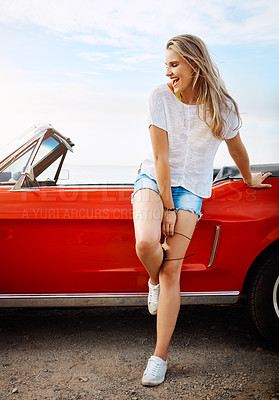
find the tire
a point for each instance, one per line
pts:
(263, 298)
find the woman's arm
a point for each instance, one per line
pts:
(159, 140)
(240, 156)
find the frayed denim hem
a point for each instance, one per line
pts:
(199, 214)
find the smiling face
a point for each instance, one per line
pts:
(180, 74)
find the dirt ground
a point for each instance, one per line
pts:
(101, 353)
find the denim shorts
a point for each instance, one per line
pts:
(183, 199)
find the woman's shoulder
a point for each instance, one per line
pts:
(160, 89)
(228, 108)
(160, 94)
(232, 123)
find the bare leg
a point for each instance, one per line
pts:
(147, 215)
(169, 277)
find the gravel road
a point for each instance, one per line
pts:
(94, 354)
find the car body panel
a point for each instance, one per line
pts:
(74, 244)
(81, 239)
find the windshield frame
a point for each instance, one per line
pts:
(35, 138)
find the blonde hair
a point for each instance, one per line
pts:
(208, 85)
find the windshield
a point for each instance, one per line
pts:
(46, 147)
(22, 139)
(13, 172)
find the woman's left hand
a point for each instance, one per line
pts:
(169, 219)
(257, 179)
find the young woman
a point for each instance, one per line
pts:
(189, 117)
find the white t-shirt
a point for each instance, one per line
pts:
(192, 146)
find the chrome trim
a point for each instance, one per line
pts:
(226, 297)
(61, 139)
(215, 243)
(109, 299)
(275, 303)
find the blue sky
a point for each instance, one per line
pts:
(87, 67)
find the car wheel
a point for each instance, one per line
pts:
(264, 298)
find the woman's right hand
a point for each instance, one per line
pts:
(169, 219)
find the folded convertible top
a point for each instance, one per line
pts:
(232, 172)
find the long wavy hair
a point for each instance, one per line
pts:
(208, 86)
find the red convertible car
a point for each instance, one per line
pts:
(73, 245)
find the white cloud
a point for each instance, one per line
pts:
(96, 39)
(117, 67)
(93, 56)
(119, 61)
(140, 58)
(128, 23)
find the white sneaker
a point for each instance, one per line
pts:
(155, 371)
(153, 297)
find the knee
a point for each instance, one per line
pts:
(145, 246)
(170, 273)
